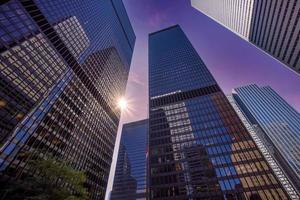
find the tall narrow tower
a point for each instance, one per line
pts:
(198, 147)
(272, 26)
(130, 175)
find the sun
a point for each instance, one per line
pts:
(122, 103)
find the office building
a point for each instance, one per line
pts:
(198, 146)
(266, 148)
(278, 122)
(272, 26)
(130, 175)
(63, 66)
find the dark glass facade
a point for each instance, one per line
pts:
(198, 147)
(130, 175)
(278, 122)
(63, 65)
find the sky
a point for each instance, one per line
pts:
(232, 61)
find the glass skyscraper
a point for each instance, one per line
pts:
(279, 124)
(63, 65)
(198, 147)
(266, 148)
(272, 26)
(130, 175)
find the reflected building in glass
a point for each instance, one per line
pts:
(278, 124)
(63, 65)
(198, 146)
(130, 175)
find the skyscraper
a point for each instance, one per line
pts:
(266, 148)
(63, 66)
(198, 147)
(131, 169)
(272, 26)
(279, 124)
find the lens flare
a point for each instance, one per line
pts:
(122, 103)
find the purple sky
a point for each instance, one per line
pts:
(232, 61)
